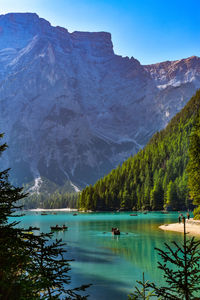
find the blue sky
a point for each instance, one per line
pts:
(149, 30)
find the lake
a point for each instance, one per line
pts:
(111, 263)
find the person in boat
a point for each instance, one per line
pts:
(56, 225)
(115, 231)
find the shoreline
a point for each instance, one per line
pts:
(52, 209)
(192, 227)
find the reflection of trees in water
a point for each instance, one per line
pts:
(138, 245)
(139, 252)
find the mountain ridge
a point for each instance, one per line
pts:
(71, 108)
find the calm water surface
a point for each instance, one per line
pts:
(111, 263)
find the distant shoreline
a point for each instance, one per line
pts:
(53, 209)
(192, 227)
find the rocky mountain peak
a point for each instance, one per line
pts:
(175, 72)
(99, 42)
(72, 109)
(16, 29)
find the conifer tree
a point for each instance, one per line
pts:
(32, 266)
(181, 266)
(144, 293)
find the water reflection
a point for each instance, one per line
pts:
(111, 263)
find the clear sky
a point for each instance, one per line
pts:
(149, 30)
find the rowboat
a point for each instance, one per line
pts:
(58, 228)
(115, 231)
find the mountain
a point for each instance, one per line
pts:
(156, 177)
(43, 193)
(72, 109)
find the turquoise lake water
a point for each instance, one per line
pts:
(111, 263)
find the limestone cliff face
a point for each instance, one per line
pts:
(71, 108)
(175, 73)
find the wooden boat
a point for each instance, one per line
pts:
(43, 214)
(115, 231)
(133, 215)
(33, 228)
(75, 214)
(58, 228)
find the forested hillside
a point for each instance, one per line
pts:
(156, 177)
(58, 199)
(193, 167)
(46, 194)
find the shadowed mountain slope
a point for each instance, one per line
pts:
(72, 109)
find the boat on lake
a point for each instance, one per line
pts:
(43, 214)
(115, 231)
(58, 228)
(33, 228)
(133, 215)
(75, 214)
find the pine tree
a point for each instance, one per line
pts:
(181, 266)
(156, 197)
(144, 293)
(171, 196)
(32, 266)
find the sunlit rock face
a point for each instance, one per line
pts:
(72, 109)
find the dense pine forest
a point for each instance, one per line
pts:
(156, 178)
(54, 200)
(49, 195)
